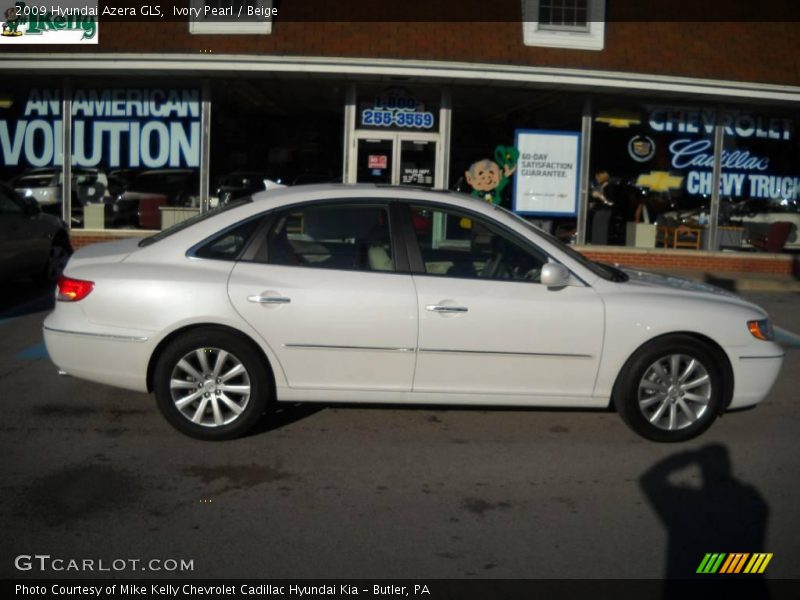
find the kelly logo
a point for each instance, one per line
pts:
(63, 23)
(738, 562)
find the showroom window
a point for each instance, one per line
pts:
(231, 17)
(760, 182)
(268, 133)
(135, 158)
(31, 142)
(575, 24)
(643, 172)
(489, 121)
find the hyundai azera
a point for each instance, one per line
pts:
(370, 294)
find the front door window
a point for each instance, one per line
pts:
(459, 245)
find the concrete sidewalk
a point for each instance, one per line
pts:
(738, 281)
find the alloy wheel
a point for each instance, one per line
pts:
(674, 392)
(210, 387)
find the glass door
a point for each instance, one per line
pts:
(374, 160)
(417, 162)
(396, 159)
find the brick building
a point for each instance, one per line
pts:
(695, 121)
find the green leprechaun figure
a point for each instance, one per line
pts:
(13, 21)
(488, 178)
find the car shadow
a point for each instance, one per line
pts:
(284, 414)
(26, 297)
(292, 412)
(705, 509)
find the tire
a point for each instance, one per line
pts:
(663, 407)
(195, 391)
(56, 262)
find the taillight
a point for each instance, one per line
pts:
(72, 290)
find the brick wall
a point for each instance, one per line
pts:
(78, 239)
(767, 52)
(688, 260)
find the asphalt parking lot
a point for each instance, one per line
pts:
(91, 472)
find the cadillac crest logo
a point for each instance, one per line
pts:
(641, 148)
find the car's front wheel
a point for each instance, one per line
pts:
(211, 384)
(670, 390)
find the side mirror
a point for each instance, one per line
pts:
(554, 275)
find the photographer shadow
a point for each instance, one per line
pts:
(717, 514)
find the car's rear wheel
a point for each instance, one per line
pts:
(671, 389)
(211, 384)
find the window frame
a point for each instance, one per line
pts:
(202, 26)
(546, 35)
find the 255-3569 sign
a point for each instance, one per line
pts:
(396, 118)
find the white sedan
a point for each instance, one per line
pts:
(397, 295)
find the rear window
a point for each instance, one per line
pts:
(148, 241)
(229, 244)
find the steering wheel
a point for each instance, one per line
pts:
(534, 275)
(494, 267)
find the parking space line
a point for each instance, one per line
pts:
(787, 338)
(35, 352)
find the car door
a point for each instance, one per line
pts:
(486, 324)
(330, 295)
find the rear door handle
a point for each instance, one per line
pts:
(441, 308)
(269, 299)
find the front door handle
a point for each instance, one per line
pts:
(442, 308)
(269, 299)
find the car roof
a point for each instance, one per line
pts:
(341, 189)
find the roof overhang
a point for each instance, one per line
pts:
(398, 70)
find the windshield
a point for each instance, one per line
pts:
(601, 270)
(192, 221)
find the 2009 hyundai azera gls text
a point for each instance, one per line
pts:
(397, 295)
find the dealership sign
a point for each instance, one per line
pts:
(62, 22)
(546, 181)
(745, 173)
(397, 108)
(131, 128)
(741, 124)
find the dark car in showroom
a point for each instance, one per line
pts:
(239, 184)
(32, 243)
(140, 205)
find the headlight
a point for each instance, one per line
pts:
(761, 329)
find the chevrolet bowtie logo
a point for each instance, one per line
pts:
(619, 121)
(659, 181)
(737, 562)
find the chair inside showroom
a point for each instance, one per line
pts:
(775, 238)
(687, 237)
